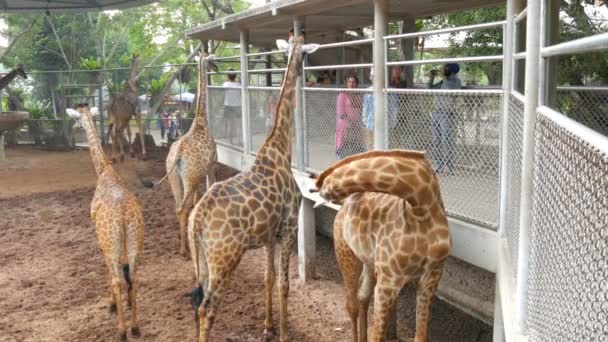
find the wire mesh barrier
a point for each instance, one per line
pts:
(587, 105)
(336, 124)
(263, 103)
(225, 122)
(568, 284)
(459, 132)
(513, 177)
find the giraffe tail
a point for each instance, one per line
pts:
(150, 184)
(125, 271)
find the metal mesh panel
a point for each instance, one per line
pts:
(331, 135)
(513, 177)
(459, 132)
(568, 284)
(585, 105)
(262, 104)
(226, 125)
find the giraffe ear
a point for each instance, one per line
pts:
(282, 44)
(74, 114)
(310, 48)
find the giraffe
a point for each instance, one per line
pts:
(119, 225)
(392, 229)
(120, 111)
(194, 156)
(256, 208)
(8, 78)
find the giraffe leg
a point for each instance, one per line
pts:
(134, 247)
(350, 267)
(427, 285)
(182, 213)
(220, 269)
(385, 294)
(391, 323)
(366, 289)
(112, 300)
(114, 143)
(131, 153)
(141, 135)
(286, 247)
(120, 137)
(269, 279)
(117, 284)
(175, 183)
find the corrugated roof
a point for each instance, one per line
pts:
(19, 6)
(324, 20)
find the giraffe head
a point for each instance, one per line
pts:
(296, 48)
(208, 61)
(82, 113)
(20, 71)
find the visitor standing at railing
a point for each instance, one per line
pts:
(349, 137)
(368, 115)
(396, 81)
(232, 108)
(164, 123)
(443, 118)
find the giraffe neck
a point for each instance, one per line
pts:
(280, 137)
(7, 79)
(406, 174)
(200, 119)
(99, 158)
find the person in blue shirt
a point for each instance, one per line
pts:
(443, 118)
(368, 115)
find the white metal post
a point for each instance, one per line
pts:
(307, 248)
(244, 42)
(507, 78)
(306, 221)
(379, 73)
(498, 334)
(530, 106)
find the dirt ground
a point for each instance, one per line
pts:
(54, 285)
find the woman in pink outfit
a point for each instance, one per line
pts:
(349, 135)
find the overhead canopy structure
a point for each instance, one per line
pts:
(20, 6)
(323, 19)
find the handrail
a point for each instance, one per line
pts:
(521, 16)
(519, 55)
(442, 91)
(496, 58)
(347, 43)
(447, 30)
(340, 90)
(257, 71)
(593, 43)
(340, 66)
(597, 140)
(263, 88)
(583, 88)
(265, 53)
(519, 96)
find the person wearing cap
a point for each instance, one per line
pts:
(443, 118)
(232, 108)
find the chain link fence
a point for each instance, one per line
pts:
(586, 105)
(225, 122)
(568, 283)
(337, 124)
(514, 136)
(459, 130)
(263, 103)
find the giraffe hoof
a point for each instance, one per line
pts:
(123, 337)
(135, 332)
(113, 307)
(268, 333)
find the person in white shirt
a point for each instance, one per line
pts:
(232, 109)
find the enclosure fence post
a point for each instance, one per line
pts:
(525, 220)
(306, 220)
(379, 74)
(244, 42)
